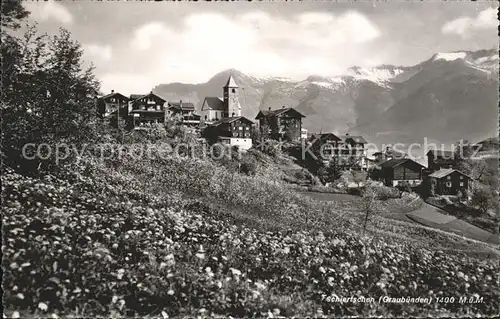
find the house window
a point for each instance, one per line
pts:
(461, 184)
(448, 177)
(461, 177)
(240, 128)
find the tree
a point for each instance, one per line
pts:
(484, 199)
(358, 177)
(12, 14)
(48, 97)
(368, 206)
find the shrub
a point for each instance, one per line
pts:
(248, 166)
(384, 192)
(404, 187)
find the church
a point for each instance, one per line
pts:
(223, 120)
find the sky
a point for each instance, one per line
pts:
(137, 45)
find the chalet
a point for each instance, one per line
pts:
(325, 145)
(284, 123)
(388, 154)
(223, 119)
(349, 151)
(146, 109)
(397, 171)
(356, 157)
(234, 131)
(449, 181)
(184, 112)
(437, 159)
(113, 106)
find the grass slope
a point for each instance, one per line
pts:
(120, 240)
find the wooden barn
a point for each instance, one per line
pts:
(397, 171)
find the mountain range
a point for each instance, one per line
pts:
(448, 97)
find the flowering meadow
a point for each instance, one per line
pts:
(108, 244)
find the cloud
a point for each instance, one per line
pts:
(49, 11)
(466, 26)
(102, 52)
(256, 43)
(144, 35)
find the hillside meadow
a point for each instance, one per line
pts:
(177, 236)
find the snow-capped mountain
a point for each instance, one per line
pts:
(449, 94)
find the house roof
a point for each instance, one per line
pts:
(139, 96)
(277, 112)
(323, 136)
(445, 172)
(355, 139)
(441, 153)
(227, 120)
(185, 105)
(398, 161)
(231, 83)
(213, 103)
(112, 94)
(135, 96)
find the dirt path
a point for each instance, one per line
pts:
(434, 217)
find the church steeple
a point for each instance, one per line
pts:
(231, 101)
(231, 83)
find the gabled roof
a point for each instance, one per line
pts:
(441, 153)
(278, 112)
(227, 120)
(112, 94)
(140, 96)
(398, 161)
(213, 103)
(231, 83)
(324, 136)
(355, 138)
(445, 172)
(135, 96)
(185, 105)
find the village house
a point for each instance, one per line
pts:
(353, 152)
(388, 154)
(397, 171)
(223, 119)
(284, 123)
(437, 159)
(113, 107)
(348, 151)
(146, 109)
(325, 146)
(183, 112)
(449, 181)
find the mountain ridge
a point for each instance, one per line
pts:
(363, 99)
